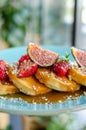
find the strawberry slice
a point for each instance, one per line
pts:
(24, 58)
(26, 68)
(3, 74)
(61, 68)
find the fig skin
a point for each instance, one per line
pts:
(43, 58)
(79, 56)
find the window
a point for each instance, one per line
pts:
(43, 21)
(81, 24)
(53, 20)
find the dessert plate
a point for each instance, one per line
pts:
(21, 107)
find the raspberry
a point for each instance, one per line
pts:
(3, 74)
(27, 69)
(61, 68)
(23, 58)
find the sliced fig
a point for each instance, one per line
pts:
(44, 58)
(80, 56)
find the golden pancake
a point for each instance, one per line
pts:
(28, 85)
(55, 82)
(7, 87)
(78, 74)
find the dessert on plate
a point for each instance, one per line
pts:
(40, 71)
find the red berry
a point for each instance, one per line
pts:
(3, 74)
(23, 58)
(27, 69)
(61, 68)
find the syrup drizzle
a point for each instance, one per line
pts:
(51, 97)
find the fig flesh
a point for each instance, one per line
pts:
(80, 56)
(43, 58)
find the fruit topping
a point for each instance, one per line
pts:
(42, 57)
(80, 56)
(61, 68)
(3, 74)
(26, 67)
(24, 58)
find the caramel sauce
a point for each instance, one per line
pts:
(51, 97)
(5, 82)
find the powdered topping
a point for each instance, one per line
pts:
(73, 64)
(82, 70)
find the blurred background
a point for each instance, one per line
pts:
(55, 22)
(46, 22)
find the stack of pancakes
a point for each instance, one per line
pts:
(43, 81)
